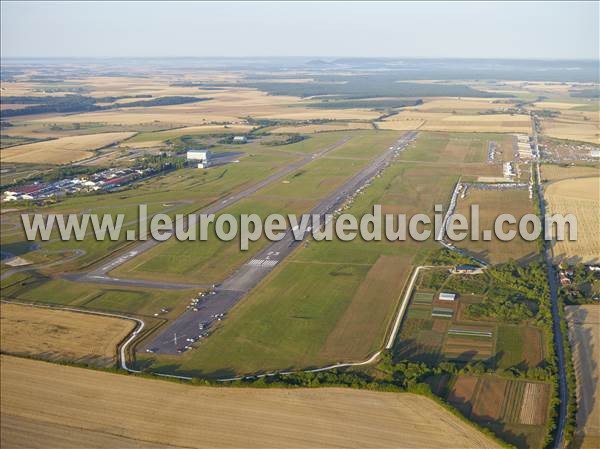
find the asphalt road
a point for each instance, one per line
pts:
(196, 324)
(100, 274)
(558, 336)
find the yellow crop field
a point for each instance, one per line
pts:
(584, 332)
(552, 172)
(443, 121)
(584, 130)
(61, 335)
(469, 105)
(401, 125)
(39, 401)
(580, 197)
(491, 204)
(63, 150)
(555, 105)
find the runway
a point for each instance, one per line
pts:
(197, 321)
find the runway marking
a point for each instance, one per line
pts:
(263, 263)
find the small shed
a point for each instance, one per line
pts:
(444, 296)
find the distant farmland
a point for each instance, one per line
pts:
(63, 150)
(59, 402)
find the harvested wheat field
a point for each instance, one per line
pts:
(444, 121)
(38, 396)
(63, 150)
(553, 172)
(492, 203)
(469, 105)
(584, 334)
(580, 197)
(585, 128)
(61, 335)
(401, 125)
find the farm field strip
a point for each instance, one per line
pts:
(53, 395)
(470, 332)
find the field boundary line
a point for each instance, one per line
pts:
(404, 305)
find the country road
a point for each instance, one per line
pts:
(552, 281)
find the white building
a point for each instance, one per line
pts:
(201, 157)
(507, 169)
(239, 139)
(198, 155)
(447, 296)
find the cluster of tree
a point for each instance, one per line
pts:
(468, 283)
(365, 86)
(515, 294)
(571, 424)
(583, 288)
(434, 279)
(444, 256)
(161, 162)
(548, 113)
(294, 138)
(64, 172)
(229, 139)
(504, 308)
(81, 103)
(586, 93)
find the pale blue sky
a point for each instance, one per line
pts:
(554, 30)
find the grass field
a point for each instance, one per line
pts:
(514, 410)
(581, 198)
(61, 151)
(61, 335)
(141, 302)
(584, 334)
(492, 203)
(45, 405)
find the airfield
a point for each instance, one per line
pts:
(207, 310)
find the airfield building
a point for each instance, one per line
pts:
(200, 157)
(447, 296)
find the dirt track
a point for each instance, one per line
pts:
(124, 411)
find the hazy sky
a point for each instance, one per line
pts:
(494, 30)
